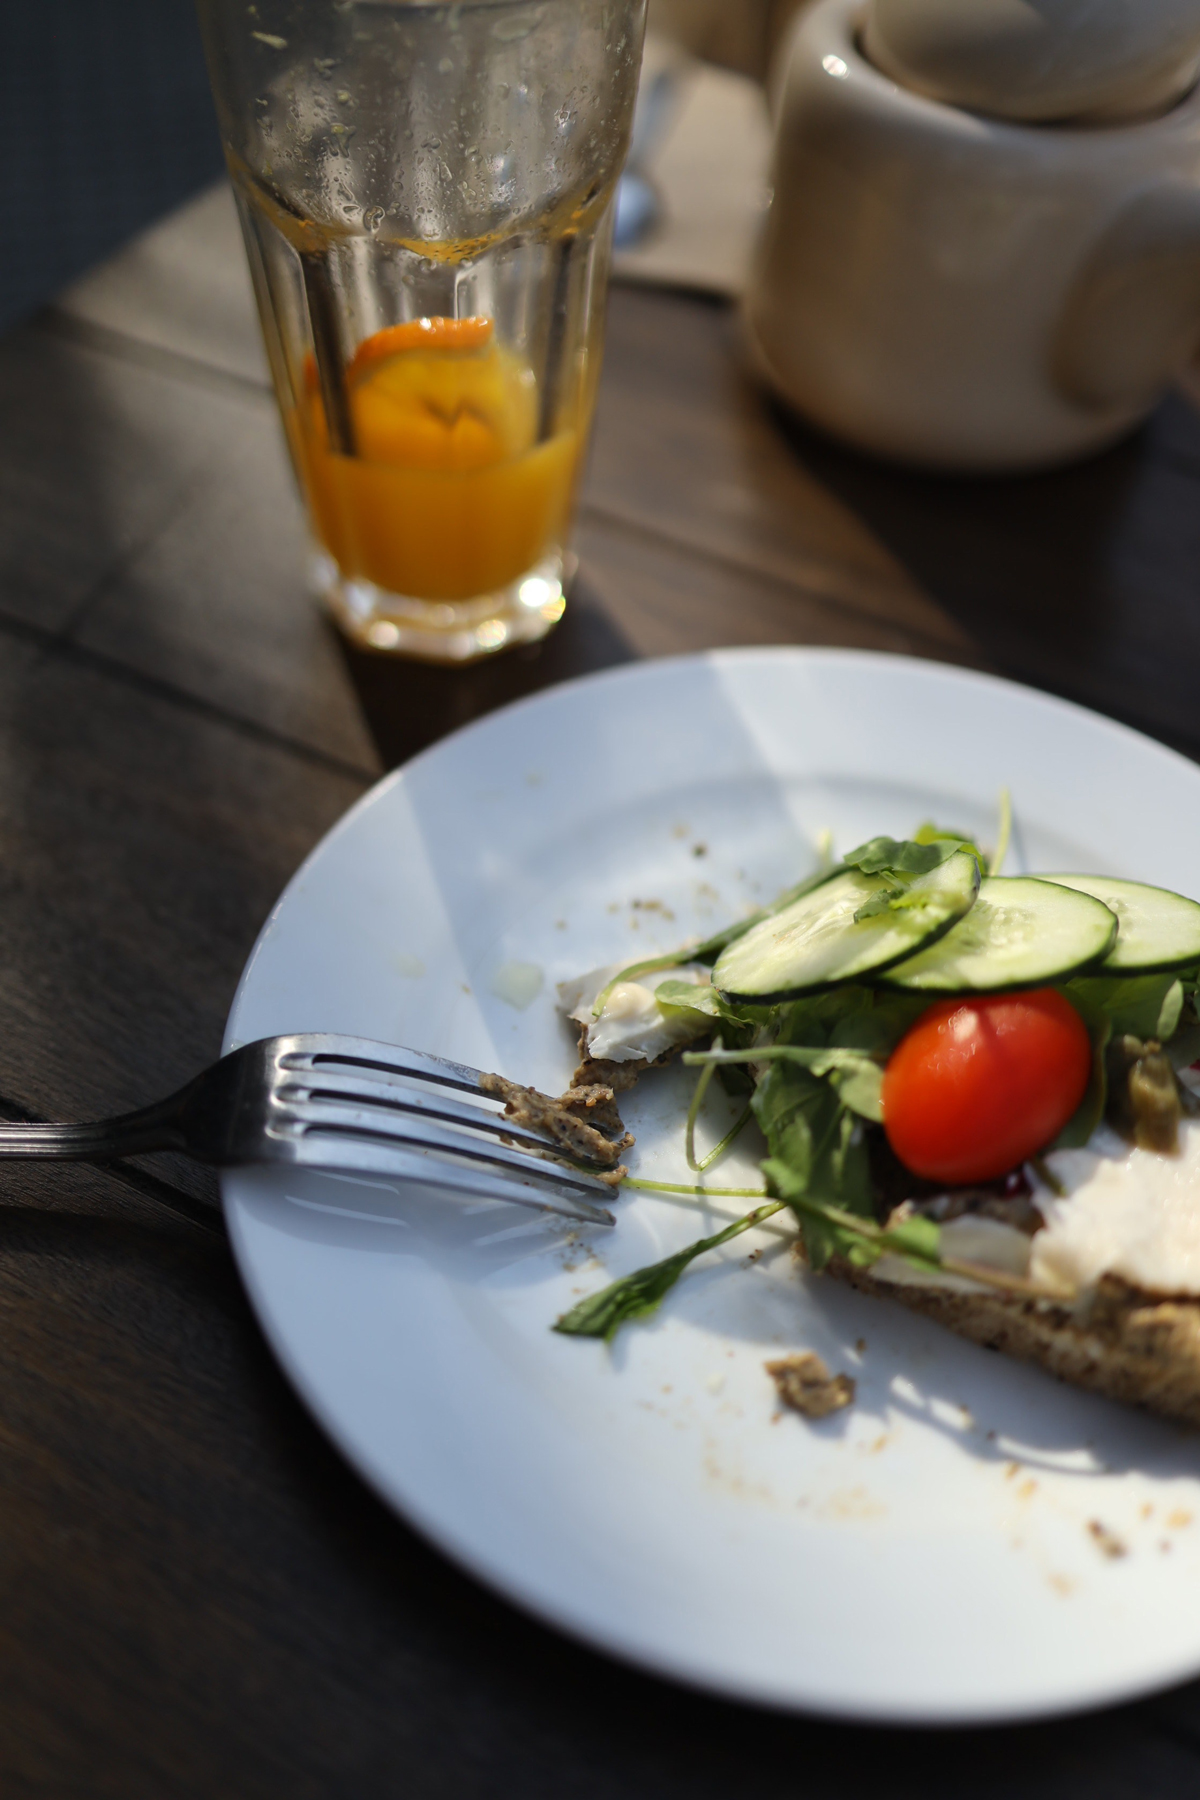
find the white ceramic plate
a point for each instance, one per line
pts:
(927, 1555)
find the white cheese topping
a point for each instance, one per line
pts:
(968, 1238)
(1126, 1212)
(632, 1023)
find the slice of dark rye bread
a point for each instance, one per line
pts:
(1129, 1345)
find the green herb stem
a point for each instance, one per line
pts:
(699, 1164)
(1003, 833)
(689, 1134)
(718, 1150)
(819, 1058)
(637, 1295)
(1008, 1284)
(679, 1187)
(1047, 1177)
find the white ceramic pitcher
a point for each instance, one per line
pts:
(951, 288)
(1040, 59)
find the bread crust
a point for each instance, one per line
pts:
(1129, 1345)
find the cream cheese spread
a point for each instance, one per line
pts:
(631, 1022)
(1126, 1212)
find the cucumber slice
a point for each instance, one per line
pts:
(1020, 933)
(1157, 930)
(817, 943)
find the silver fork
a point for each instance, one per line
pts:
(313, 1101)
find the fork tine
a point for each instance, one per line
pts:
(379, 1156)
(354, 1092)
(325, 1051)
(394, 1096)
(431, 1134)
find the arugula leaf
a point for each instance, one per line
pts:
(1170, 1012)
(856, 1077)
(896, 899)
(901, 861)
(884, 901)
(1184, 1047)
(860, 1087)
(849, 1019)
(918, 1240)
(816, 1149)
(860, 1240)
(1088, 1114)
(904, 856)
(638, 1295)
(929, 833)
(687, 997)
(876, 1027)
(1142, 1006)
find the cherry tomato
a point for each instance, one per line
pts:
(978, 1085)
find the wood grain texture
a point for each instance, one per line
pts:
(143, 846)
(198, 1597)
(183, 287)
(665, 598)
(687, 448)
(147, 512)
(1085, 581)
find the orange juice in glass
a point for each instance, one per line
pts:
(425, 193)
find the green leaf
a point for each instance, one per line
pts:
(638, 1295)
(897, 899)
(820, 1058)
(817, 1147)
(857, 1079)
(903, 856)
(1137, 1005)
(1088, 1114)
(1169, 1015)
(689, 996)
(916, 1238)
(878, 903)
(842, 1170)
(689, 1000)
(929, 833)
(828, 1230)
(860, 1087)
(1184, 1048)
(862, 1242)
(795, 1110)
(877, 1028)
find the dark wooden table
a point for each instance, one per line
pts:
(197, 1598)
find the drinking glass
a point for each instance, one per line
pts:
(426, 196)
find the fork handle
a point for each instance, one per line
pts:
(131, 1134)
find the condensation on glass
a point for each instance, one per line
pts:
(425, 192)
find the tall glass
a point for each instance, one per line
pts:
(425, 192)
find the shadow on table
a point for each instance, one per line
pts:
(1083, 580)
(409, 705)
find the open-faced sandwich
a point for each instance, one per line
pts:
(976, 1093)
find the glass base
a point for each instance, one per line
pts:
(446, 631)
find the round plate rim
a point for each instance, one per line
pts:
(1152, 1677)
